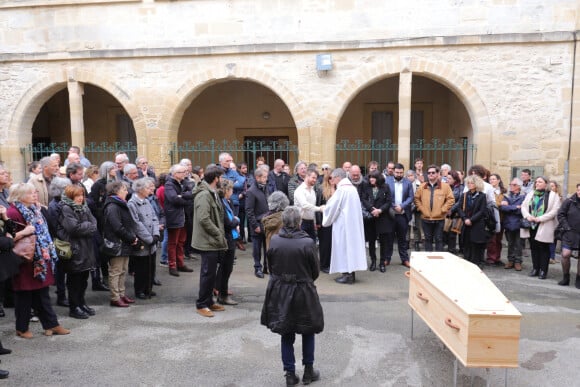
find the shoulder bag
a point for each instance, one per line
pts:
(63, 249)
(111, 248)
(25, 247)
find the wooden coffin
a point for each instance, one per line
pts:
(465, 309)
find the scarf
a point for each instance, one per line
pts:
(77, 208)
(45, 251)
(230, 215)
(537, 205)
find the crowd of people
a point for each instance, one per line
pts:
(109, 221)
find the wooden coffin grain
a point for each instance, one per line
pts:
(465, 309)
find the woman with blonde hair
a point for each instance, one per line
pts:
(31, 284)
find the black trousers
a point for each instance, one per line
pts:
(38, 299)
(207, 274)
(401, 225)
(224, 271)
(60, 280)
(76, 284)
(144, 273)
(540, 252)
(325, 246)
(187, 249)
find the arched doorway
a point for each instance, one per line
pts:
(441, 129)
(107, 126)
(241, 117)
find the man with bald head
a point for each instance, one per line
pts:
(277, 178)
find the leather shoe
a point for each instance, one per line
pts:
(127, 300)
(542, 275)
(291, 379)
(534, 273)
(373, 266)
(345, 279)
(62, 302)
(88, 310)
(518, 266)
(57, 330)
(24, 335)
(156, 282)
(5, 351)
(119, 304)
(205, 312)
(325, 270)
(142, 296)
(406, 264)
(4, 374)
(382, 268)
(78, 313)
(151, 294)
(227, 301)
(509, 265)
(173, 272)
(259, 274)
(240, 246)
(216, 308)
(100, 287)
(185, 269)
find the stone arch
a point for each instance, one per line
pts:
(30, 104)
(196, 84)
(440, 72)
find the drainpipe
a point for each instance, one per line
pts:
(567, 161)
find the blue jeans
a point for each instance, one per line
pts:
(258, 244)
(288, 351)
(164, 247)
(433, 230)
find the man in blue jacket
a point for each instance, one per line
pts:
(402, 199)
(511, 208)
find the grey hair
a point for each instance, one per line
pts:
(261, 171)
(45, 161)
(105, 168)
(185, 162)
(128, 168)
(446, 166)
(222, 156)
(410, 172)
(278, 201)
(518, 181)
(298, 164)
(174, 168)
(140, 184)
(291, 217)
(339, 172)
(57, 186)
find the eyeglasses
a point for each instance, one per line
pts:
(432, 172)
(325, 169)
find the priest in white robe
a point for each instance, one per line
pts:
(343, 211)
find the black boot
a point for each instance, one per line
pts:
(346, 278)
(542, 275)
(382, 267)
(577, 283)
(310, 374)
(78, 313)
(534, 273)
(292, 379)
(565, 281)
(373, 266)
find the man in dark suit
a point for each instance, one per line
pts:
(402, 199)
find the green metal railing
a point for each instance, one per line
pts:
(96, 153)
(202, 154)
(458, 154)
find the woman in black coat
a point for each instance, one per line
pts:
(77, 226)
(291, 304)
(376, 199)
(472, 207)
(119, 226)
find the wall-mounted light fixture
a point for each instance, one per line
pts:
(266, 115)
(323, 63)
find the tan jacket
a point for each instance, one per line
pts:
(40, 184)
(442, 201)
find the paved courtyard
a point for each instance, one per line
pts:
(366, 341)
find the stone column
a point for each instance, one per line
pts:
(404, 139)
(77, 125)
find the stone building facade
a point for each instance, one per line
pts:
(502, 74)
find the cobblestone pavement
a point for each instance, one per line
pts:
(366, 341)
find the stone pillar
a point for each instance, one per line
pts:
(404, 139)
(77, 125)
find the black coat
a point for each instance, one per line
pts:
(9, 262)
(291, 304)
(96, 200)
(119, 224)
(78, 229)
(256, 207)
(383, 223)
(475, 213)
(177, 199)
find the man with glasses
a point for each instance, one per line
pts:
(433, 199)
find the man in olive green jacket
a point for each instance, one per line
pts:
(208, 237)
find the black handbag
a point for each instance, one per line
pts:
(111, 248)
(366, 214)
(524, 223)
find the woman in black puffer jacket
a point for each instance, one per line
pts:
(119, 226)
